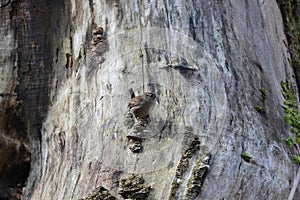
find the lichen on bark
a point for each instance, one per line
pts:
(133, 187)
(100, 193)
(191, 170)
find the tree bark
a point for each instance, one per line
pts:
(212, 134)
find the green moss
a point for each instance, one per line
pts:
(263, 93)
(296, 158)
(290, 10)
(291, 118)
(259, 109)
(290, 101)
(289, 142)
(246, 157)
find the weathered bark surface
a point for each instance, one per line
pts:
(65, 100)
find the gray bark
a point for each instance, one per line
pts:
(205, 60)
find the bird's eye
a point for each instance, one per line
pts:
(150, 94)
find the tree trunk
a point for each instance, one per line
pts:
(216, 130)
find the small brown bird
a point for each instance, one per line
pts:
(140, 105)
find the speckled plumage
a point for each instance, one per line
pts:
(140, 105)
